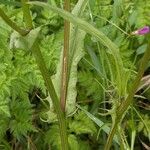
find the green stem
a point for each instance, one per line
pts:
(110, 137)
(60, 115)
(26, 14)
(64, 76)
(143, 65)
(12, 24)
(50, 87)
(125, 104)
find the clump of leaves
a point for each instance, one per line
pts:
(21, 118)
(79, 125)
(142, 124)
(19, 77)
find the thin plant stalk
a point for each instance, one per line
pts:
(12, 24)
(27, 16)
(50, 87)
(60, 115)
(64, 75)
(125, 104)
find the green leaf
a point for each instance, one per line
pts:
(5, 145)
(82, 124)
(10, 3)
(4, 122)
(24, 42)
(52, 137)
(133, 18)
(94, 59)
(21, 122)
(73, 142)
(76, 53)
(84, 145)
(141, 49)
(101, 124)
(4, 110)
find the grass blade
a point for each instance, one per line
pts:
(101, 124)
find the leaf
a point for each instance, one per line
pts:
(101, 124)
(82, 124)
(3, 127)
(21, 122)
(5, 145)
(4, 110)
(84, 145)
(24, 42)
(76, 53)
(94, 59)
(73, 142)
(10, 3)
(133, 18)
(52, 137)
(141, 49)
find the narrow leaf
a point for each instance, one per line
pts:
(101, 124)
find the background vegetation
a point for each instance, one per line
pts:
(102, 67)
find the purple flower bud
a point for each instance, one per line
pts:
(141, 31)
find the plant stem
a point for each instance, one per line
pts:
(60, 115)
(64, 76)
(26, 14)
(50, 87)
(125, 104)
(12, 24)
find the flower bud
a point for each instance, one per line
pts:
(142, 31)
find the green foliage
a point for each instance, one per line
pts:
(11, 3)
(51, 47)
(103, 76)
(5, 145)
(82, 124)
(141, 125)
(24, 42)
(52, 21)
(15, 109)
(85, 78)
(76, 52)
(100, 8)
(21, 118)
(142, 18)
(73, 142)
(52, 137)
(4, 126)
(76, 144)
(99, 122)
(19, 77)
